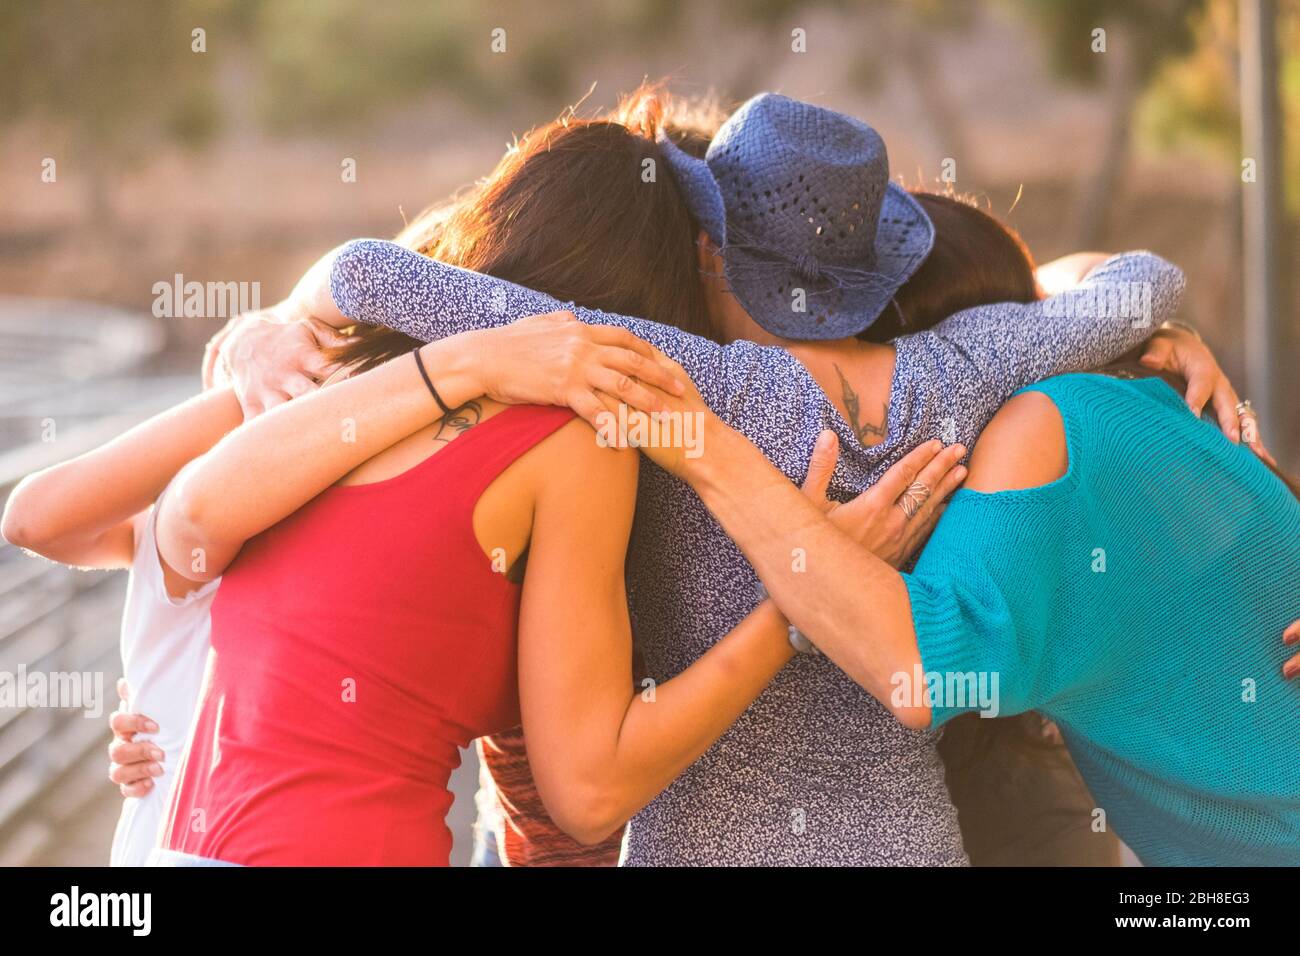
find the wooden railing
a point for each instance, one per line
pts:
(70, 378)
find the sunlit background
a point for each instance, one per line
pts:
(226, 165)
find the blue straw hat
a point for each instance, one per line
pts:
(799, 200)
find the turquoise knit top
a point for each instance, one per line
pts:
(1138, 601)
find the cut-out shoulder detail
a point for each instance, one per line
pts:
(1023, 446)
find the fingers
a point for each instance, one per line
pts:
(296, 386)
(589, 408)
(1251, 436)
(1224, 399)
(124, 774)
(125, 753)
(902, 473)
(821, 466)
(936, 473)
(1193, 361)
(123, 689)
(263, 401)
(1199, 389)
(942, 476)
(927, 516)
(126, 725)
(625, 388)
(212, 351)
(1258, 448)
(1159, 353)
(610, 428)
(611, 335)
(329, 337)
(316, 366)
(640, 366)
(1291, 637)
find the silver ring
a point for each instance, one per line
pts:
(912, 499)
(1244, 408)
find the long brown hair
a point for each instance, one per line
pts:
(581, 209)
(977, 259)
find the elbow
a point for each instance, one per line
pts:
(348, 275)
(185, 529)
(16, 530)
(913, 718)
(588, 814)
(22, 524)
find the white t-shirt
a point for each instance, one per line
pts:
(165, 644)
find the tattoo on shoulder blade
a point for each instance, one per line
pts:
(460, 420)
(866, 431)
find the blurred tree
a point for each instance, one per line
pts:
(120, 76)
(1193, 100)
(914, 41)
(341, 62)
(1140, 36)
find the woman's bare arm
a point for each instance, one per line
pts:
(266, 471)
(599, 747)
(80, 512)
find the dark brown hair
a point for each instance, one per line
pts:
(976, 260)
(581, 209)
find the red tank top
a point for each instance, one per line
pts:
(355, 646)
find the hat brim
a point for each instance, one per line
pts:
(699, 188)
(831, 309)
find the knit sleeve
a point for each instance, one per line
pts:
(381, 283)
(987, 353)
(981, 618)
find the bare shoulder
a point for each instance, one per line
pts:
(575, 456)
(1022, 447)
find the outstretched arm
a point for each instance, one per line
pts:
(1118, 305)
(81, 512)
(267, 470)
(381, 283)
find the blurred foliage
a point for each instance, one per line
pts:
(117, 73)
(1164, 27)
(1193, 101)
(121, 74)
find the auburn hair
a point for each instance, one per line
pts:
(584, 210)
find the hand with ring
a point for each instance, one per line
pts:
(895, 516)
(1248, 419)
